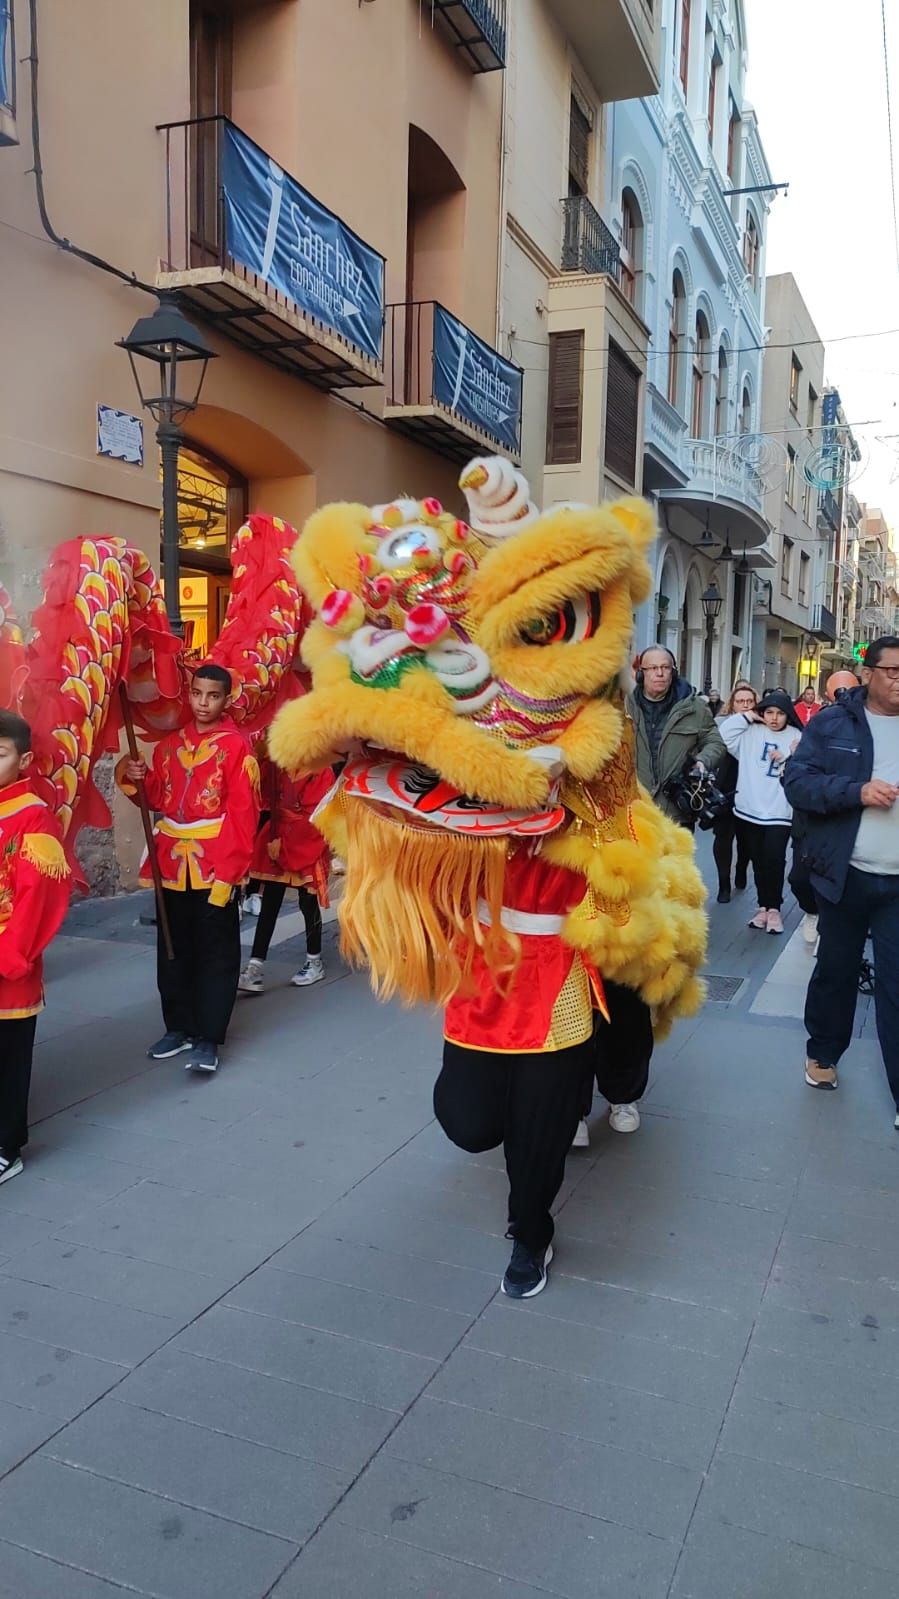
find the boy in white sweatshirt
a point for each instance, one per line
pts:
(762, 740)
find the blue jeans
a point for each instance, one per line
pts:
(869, 903)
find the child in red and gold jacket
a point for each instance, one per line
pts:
(290, 852)
(205, 782)
(35, 883)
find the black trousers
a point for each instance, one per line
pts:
(528, 1103)
(621, 1050)
(16, 1051)
(272, 900)
(869, 902)
(728, 828)
(198, 988)
(768, 853)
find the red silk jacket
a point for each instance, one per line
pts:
(289, 847)
(35, 884)
(206, 784)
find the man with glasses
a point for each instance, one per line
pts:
(674, 728)
(844, 778)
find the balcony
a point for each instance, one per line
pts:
(824, 624)
(722, 491)
(256, 256)
(666, 430)
(618, 42)
(447, 388)
(587, 244)
(477, 28)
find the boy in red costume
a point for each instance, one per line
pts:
(205, 781)
(290, 853)
(35, 883)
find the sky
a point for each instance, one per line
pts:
(816, 79)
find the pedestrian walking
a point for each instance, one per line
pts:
(290, 853)
(205, 782)
(728, 828)
(844, 778)
(35, 883)
(674, 728)
(806, 706)
(762, 740)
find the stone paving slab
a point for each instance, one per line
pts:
(251, 1343)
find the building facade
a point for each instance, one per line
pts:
(793, 617)
(694, 244)
(567, 316)
(321, 183)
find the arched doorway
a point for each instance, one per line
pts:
(692, 631)
(668, 626)
(212, 504)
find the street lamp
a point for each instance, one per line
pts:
(712, 601)
(172, 355)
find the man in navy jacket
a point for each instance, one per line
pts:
(844, 781)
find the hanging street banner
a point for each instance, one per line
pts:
(475, 382)
(275, 228)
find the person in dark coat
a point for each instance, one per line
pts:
(844, 778)
(674, 728)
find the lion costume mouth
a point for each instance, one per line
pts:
(389, 783)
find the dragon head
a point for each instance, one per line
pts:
(465, 667)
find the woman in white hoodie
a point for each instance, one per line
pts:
(762, 740)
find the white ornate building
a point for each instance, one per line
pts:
(693, 266)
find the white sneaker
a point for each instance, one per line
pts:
(581, 1139)
(253, 904)
(809, 928)
(624, 1118)
(252, 978)
(312, 972)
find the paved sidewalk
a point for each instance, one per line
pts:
(251, 1343)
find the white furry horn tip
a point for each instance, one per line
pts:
(499, 502)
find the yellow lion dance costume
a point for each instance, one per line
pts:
(501, 859)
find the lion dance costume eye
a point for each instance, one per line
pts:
(468, 675)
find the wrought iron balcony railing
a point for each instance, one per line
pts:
(587, 244)
(478, 29)
(446, 386)
(824, 624)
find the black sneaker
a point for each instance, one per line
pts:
(724, 895)
(203, 1056)
(526, 1273)
(168, 1045)
(11, 1165)
(740, 881)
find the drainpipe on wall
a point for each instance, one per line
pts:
(501, 251)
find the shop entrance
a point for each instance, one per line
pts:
(212, 505)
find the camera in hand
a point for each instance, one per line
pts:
(697, 797)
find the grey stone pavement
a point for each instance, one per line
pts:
(251, 1342)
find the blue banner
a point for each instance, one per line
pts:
(475, 382)
(5, 51)
(275, 229)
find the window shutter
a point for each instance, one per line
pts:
(563, 419)
(579, 146)
(622, 415)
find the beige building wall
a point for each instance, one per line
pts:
(331, 90)
(550, 43)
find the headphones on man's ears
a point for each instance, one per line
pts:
(669, 653)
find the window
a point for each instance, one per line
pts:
(580, 127)
(684, 64)
(733, 143)
(8, 134)
(811, 415)
(721, 394)
(809, 504)
(563, 418)
(786, 566)
(805, 562)
(675, 337)
(631, 246)
(622, 415)
(212, 504)
(795, 375)
(698, 421)
(791, 476)
(211, 53)
(751, 249)
(746, 410)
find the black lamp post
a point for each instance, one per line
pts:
(173, 357)
(712, 601)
